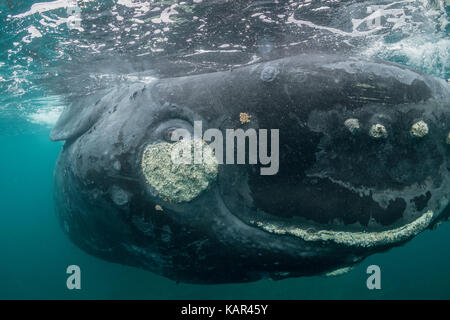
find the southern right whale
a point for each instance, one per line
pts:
(363, 166)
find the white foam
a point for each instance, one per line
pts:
(46, 116)
(46, 6)
(33, 33)
(429, 55)
(165, 15)
(129, 3)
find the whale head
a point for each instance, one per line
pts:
(308, 164)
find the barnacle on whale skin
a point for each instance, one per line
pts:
(419, 129)
(378, 131)
(352, 125)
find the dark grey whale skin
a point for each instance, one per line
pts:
(104, 205)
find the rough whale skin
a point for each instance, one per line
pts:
(363, 166)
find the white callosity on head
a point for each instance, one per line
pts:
(174, 181)
(448, 138)
(357, 239)
(352, 125)
(419, 129)
(378, 131)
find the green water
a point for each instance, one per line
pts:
(35, 253)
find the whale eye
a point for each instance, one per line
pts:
(174, 130)
(175, 134)
(169, 134)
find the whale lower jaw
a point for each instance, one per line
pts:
(352, 239)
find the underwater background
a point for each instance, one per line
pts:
(46, 62)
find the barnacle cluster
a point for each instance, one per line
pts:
(176, 177)
(419, 129)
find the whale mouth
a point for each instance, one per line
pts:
(316, 233)
(294, 218)
(354, 235)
